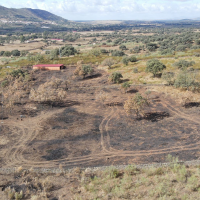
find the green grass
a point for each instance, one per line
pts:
(172, 182)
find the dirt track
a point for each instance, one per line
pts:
(83, 132)
(30, 128)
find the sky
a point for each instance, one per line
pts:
(113, 9)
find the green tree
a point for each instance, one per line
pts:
(15, 52)
(116, 77)
(154, 66)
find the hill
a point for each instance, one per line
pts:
(28, 14)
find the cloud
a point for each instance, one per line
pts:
(115, 9)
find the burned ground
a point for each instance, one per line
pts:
(84, 131)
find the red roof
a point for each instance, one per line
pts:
(48, 65)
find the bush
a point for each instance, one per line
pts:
(4, 83)
(125, 60)
(125, 86)
(116, 77)
(15, 52)
(169, 77)
(68, 50)
(181, 48)
(122, 47)
(154, 66)
(183, 64)
(151, 46)
(118, 53)
(132, 59)
(18, 73)
(136, 105)
(186, 80)
(7, 53)
(1, 53)
(108, 62)
(83, 70)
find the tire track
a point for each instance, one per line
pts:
(15, 155)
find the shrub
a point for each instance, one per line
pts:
(151, 46)
(1, 53)
(68, 50)
(125, 86)
(122, 47)
(125, 60)
(116, 77)
(83, 70)
(15, 52)
(186, 80)
(117, 53)
(18, 73)
(183, 64)
(169, 77)
(4, 83)
(132, 58)
(108, 62)
(7, 53)
(181, 48)
(154, 66)
(136, 105)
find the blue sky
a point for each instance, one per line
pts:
(113, 9)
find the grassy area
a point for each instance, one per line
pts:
(173, 182)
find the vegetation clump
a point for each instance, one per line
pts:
(136, 105)
(116, 77)
(154, 66)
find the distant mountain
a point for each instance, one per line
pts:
(28, 14)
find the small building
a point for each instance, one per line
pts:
(49, 66)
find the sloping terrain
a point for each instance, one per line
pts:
(28, 14)
(83, 131)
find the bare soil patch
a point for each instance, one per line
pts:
(83, 131)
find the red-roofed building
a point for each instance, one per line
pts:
(49, 66)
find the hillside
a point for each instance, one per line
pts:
(28, 14)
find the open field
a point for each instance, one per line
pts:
(76, 119)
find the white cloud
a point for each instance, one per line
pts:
(115, 9)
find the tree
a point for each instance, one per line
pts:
(108, 62)
(136, 105)
(116, 77)
(15, 52)
(154, 66)
(68, 50)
